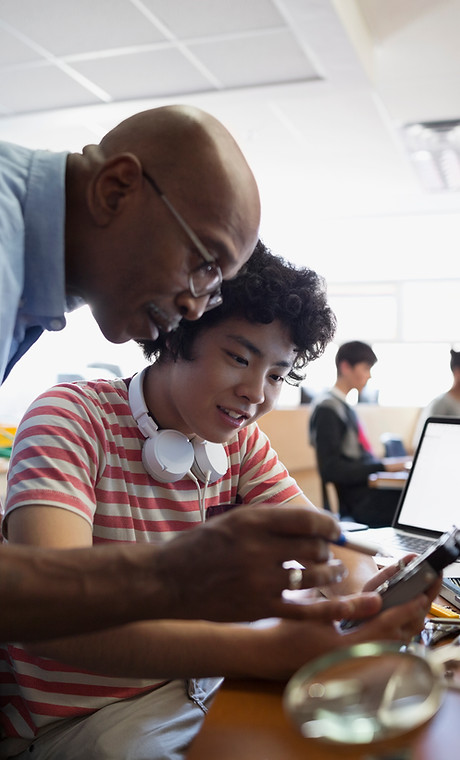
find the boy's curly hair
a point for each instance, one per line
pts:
(267, 288)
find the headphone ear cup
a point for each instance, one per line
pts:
(168, 455)
(209, 458)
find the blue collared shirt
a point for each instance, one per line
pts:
(32, 266)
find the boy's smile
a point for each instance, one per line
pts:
(235, 377)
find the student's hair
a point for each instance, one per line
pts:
(267, 288)
(355, 352)
(454, 359)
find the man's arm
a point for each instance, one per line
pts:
(50, 592)
(230, 569)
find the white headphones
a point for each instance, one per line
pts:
(168, 455)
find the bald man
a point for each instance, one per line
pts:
(142, 227)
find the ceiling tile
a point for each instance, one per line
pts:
(208, 17)
(41, 88)
(255, 59)
(66, 27)
(13, 51)
(150, 74)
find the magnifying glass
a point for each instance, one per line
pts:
(370, 692)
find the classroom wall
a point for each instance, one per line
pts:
(288, 433)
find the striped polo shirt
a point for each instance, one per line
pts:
(79, 448)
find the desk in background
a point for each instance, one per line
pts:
(395, 480)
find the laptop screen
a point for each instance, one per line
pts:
(431, 498)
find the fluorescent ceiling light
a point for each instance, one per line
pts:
(434, 149)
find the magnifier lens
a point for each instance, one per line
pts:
(365, 693)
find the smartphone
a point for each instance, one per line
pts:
(419, 573)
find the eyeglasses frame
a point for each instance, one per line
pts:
(207, 257)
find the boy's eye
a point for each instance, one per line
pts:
(237, 358)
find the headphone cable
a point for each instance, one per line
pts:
(201, 493)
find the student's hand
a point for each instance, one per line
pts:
(399, 623)
(430, 594)
(231, 568)
(387, 572)
(291, 644)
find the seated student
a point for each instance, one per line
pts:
(343, 452)
(445, 405)
(91, 464)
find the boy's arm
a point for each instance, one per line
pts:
(178, 649)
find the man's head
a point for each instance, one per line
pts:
(217, 374)
(266, 289)
(354, 361)
(154, 214)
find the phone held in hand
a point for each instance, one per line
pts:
(419, 573)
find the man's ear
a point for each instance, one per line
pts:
(112, 185)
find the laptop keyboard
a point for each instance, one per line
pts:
(411, 543)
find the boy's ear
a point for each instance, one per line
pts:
(112, 186)
(344, 365)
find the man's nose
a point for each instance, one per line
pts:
(190, 307)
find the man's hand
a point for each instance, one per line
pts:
(231, 568)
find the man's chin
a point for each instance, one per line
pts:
(115, 336)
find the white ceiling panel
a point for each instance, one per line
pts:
(12, 50)
(165, 71)
(47, 87)
(66, 27)
(267, 58)
(214, 17)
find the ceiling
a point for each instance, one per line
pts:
(315, 91)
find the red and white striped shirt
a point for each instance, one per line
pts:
(79, 448)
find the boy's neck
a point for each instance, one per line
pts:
(343, 386)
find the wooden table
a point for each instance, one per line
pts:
(247, 722)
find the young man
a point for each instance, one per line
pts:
(343, 453)
(445, 405)
(92, 462)
(142, 227)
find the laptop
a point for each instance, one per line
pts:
(430, 501)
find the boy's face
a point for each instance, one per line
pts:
(236, 375)
(357, 375)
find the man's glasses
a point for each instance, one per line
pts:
(206, 279)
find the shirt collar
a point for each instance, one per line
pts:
(44, 215)
(339, 394)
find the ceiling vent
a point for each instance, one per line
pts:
(434, 149)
